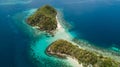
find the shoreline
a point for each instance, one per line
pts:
(66, 50)
(68, 36)
(52, 33)
(69, 58)
(59, 26)
(74, 62)
(90, 47)
(105, 52)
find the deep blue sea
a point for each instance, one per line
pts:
(97, 21)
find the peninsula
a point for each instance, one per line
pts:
(63, 49)
(44, 19)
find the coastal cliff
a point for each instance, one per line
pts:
(62, 48)
(44, 19)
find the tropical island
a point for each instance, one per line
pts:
(63, 49)
(44, 19)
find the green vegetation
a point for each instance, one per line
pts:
(63, 48)
(44, 18)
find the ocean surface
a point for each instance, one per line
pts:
(96, 21)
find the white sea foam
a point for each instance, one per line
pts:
(43, 42)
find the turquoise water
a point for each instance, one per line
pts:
(40, 42)
(94, 22)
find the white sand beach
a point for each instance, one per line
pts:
(63, 33)
(74, 62)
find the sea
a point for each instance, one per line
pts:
(93, 21)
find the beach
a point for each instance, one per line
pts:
(74, 62)
(39, 47)
(63, 33)
(94, 26)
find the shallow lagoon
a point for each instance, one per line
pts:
(77, 13)
(40, 42)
